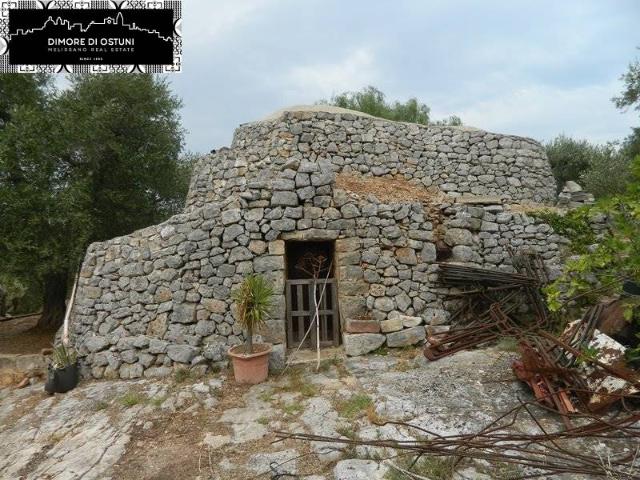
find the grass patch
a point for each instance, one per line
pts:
(325, 365)
(354, 406)
(406, 353)
(130, 399)
(296, 382)
(374, 417)
(181, 375)
(504, 471)
(266, 397)
(263, 420)
(292, 408)
(100, 405)
(434, 468)
(157, 401)
(383, 350)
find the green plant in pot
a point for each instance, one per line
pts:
(63, 372)
(254, 301)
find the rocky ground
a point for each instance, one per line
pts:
(211, 428)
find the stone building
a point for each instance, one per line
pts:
(380, 201)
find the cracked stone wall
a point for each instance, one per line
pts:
(160, 297)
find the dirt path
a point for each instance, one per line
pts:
(20, 336)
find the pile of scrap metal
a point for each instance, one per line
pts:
(488, 298)
(582, 369)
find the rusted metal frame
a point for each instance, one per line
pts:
(486, 289)
(580, 335)
(460, 274)
(616, 372)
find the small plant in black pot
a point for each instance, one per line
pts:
(63, 370)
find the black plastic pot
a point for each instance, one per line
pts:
(61, 380)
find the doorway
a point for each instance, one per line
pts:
(311, 294)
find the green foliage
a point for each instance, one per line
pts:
(298, 382)
(125, 130)
(62, 357)
(607, 173)
(615, 258)
(100, 405)
(630, 97)
(354, 406)
(372, 101)
(254, 301)
(631, 93)
(598, 167)
(18, 90)
(12, 290)
(587, 354)
(573, 225)
(631, 144)
(93, 162)
(292, 408)
(132, 398)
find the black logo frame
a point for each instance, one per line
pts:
(90, 36)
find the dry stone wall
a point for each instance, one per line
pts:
(160, 297)
(456, 160)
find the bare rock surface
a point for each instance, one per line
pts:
(212, 428)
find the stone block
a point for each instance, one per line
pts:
(347, 245)
(409, 322)
(276, 247)
(95, 343)
(215, 306)
(134, 370)
(458, 236)
(158, 326)
(404, 338)
(181, 353)
(184, 313)
(158, 372)
(361, 343)
(274, 331)
(436, 316)
(277, 358)
(406, 256)
(391, 325)
(268, 263)
(284, 199)
(361, 326)
(351, 306)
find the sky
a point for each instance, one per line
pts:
(535, 69)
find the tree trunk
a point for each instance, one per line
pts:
(53, 305)
(249, 341)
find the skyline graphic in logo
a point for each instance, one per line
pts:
(117, 20)
(91, 39)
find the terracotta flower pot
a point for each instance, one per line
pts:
(250, 368)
